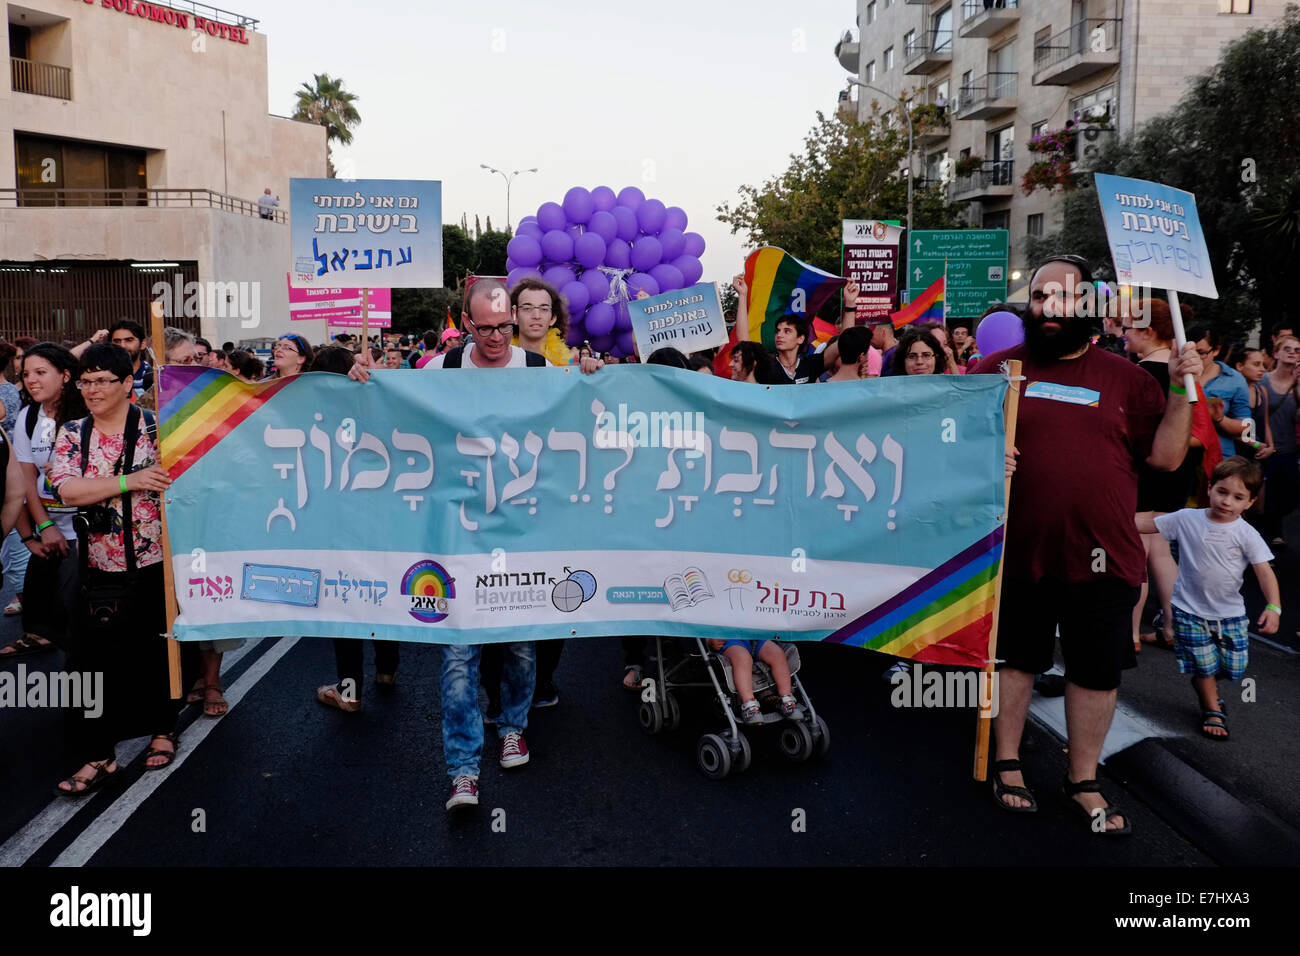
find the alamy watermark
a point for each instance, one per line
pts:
(656, 429)
(213, 300)
(918, 687)
(74, 690)
(1101, 300)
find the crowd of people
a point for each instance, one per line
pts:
(1110, 453)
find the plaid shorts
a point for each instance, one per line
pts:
(1211, 648)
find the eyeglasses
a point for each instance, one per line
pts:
(533, 309)
(920, 356)
(98, 384)
(487, 331)
(293, 340)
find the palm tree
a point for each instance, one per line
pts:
(324, 101)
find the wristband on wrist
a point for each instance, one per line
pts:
(121, 483)
(43, 525)
(1273, 607)
(31, 537)
(1177, 389)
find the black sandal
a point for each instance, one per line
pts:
(1214, 719)
(1000, 789)
(87, 783)
(1070, 788)
(155, 752)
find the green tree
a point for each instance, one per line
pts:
(325, 102)
(1233, 141)
(491, 253)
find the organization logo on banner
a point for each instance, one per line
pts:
(574, 591)
(430, 589)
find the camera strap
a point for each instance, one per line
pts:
(129, 437)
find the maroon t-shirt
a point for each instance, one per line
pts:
(1083, 427)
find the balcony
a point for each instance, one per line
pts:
(928, 52)
(40, 79)
(1080, 50)
(33, 197)
(987, 97)
(918, 3)
(847, 107)
(1088, 144)
(931, 133)
(846, 51)
(983, 18)
(993, 180)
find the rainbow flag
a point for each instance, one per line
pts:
(199, 406)
(780, 285)
(946, 617)
(823, 331)
(928, 306)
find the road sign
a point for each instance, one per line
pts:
(977, 267)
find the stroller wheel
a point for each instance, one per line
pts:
(713, 757)
(742, 754)
(822, 735)
(672, 712)
(651, 716)
(796, 741)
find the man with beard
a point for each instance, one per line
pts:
(130, 336)
(1073, 557)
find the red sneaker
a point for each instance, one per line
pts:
(514, 751)
(464, 793)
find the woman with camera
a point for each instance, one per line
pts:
(105, 465)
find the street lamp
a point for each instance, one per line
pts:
(903, 109)
(509, 179)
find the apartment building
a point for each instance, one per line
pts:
(1006, 71)
(135, 142)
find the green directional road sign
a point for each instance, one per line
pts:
(977, 267)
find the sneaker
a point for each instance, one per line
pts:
(514, 751)
(464, 792)
(790, 708)
(14, 607)
(546, 695)
(902, 667)
(751, 713)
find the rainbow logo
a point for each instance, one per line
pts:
(430, 589)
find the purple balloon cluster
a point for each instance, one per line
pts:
(600, 249)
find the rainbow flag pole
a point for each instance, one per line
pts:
(1011, 412)
(169, 574)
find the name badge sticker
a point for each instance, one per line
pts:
(1070, 394)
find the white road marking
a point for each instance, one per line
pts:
(1126, 729)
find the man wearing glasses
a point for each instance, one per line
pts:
(1073, 558)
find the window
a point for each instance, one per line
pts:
(1100, 107)
(942, 26)
(1034, 225)
(116, 175)
(997, 220)
(889, 3)
(909, 42)
(870, 72)
(1234, 6)
(1002, 142)
(871, 12)
(889, 59)
(1038, 129)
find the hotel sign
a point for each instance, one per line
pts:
(175, 18)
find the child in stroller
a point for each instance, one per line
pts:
(741, 655)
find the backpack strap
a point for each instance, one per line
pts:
(33, 412)
(129, 436)
(533, 360)
(452, 358)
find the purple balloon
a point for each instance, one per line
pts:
(511, 264)
(577, 297)
(626, 220)
(603, 224)
(577, 335)
(626, 343)
(998, 331)
(631, 197)
(603, 198)
(600, 319)
(650, 216)
(551, 216)
(691, 269)
(641, 282)
(622, 318)
(674, 243)
(694, 244)
(518, 274)
(670, 278)
(559, 276)
(557, 246)
(589, 250)
(602, 343)
(646, 253)
(532, 219)
(618, 254)
(531, 230)
(675, 218)
(578, 205)
(596, 284)
(574, 231)
(524, 250)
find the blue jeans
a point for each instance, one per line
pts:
(13, 558)
(462, 721)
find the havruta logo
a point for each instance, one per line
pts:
(430, 589)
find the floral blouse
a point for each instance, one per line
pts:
(107, 552)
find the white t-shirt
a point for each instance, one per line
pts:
(518, 358)
(39, 451)
(1212, 556)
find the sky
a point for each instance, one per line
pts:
(686, 100)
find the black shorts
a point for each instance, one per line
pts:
(1096, 622)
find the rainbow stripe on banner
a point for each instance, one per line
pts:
(928, 306)
(777, 281)
(199, 406)
(943, 618)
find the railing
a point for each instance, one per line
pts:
(32, 196)
(1075, 40)
(985, 89)
(993, 172)
(971, 9)
(932, 41)
(214, 13)
(40, 79)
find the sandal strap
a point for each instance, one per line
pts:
(1003, 789)
(1083, 786)
(1006, 766)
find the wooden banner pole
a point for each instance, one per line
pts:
(365, 321)
(169, 577)
(1011, 411)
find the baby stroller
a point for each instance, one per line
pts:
(686, 666)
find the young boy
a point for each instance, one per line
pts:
(742, 655)
(1214, 547)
